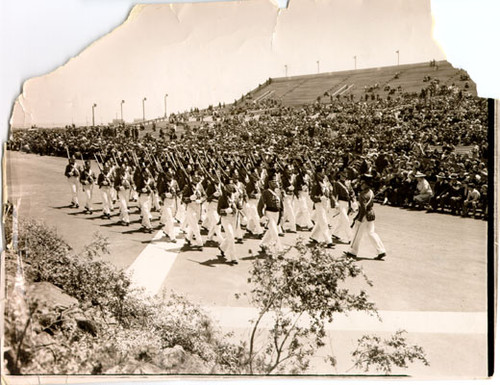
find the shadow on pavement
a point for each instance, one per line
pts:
(133, 231)
(219, 260)
(61, 207)
(368, 259)
(113, 224)
(86, 215)
(254, 257)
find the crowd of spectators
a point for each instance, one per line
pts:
(439, 134)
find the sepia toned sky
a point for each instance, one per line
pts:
(205, 53)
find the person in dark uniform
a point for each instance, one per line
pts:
(365, 221)
(271, 207)
(320, 195)
(226, 208)
(212, 219)
(343, 195)
(122, 186)
(288, 182)
(87, 180)
(191, 197)
(105, 183)
(252, 189)
(72, 173)
(168, 190)
(145, 186)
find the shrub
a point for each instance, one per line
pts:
(300, 289)
(113, 327)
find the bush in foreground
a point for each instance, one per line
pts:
(82, 316)
(301, 290)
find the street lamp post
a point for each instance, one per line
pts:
(355, 62)
(143, 110)
(166, 96)
(121, 110)
(317, 63)
(93, 114)
(286, 71)
(397, 52)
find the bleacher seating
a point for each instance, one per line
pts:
(307, 89)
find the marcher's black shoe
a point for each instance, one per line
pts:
(380, 256)
(350, 255)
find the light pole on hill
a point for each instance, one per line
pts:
(121, 110)
(397, 52)
(317, 63)
(286, 71)
(166, 96)
(355, 64)
(93, 114)
(143, 110)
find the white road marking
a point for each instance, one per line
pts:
(411, 321)
(151, 267)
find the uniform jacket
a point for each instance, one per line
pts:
(71, 170)
(271, 201)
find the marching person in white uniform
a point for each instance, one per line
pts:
(72, 173)
(271, 207)
(365, 222)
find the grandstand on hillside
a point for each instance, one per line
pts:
(361, 83)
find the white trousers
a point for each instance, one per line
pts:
(182, 216)
(238, 231)
(271, 237)
(123, 199)
(303, 214)
(145, 204)
(321, 231)
(228, 245)
(88, 190)
(167, 217)
(253, 222)
(113, 194)
(156, 201)
(342, 225)
(211, 222)
(362, 228)
(73, 183)
(288, 214)
(191, 222)
(106, 199)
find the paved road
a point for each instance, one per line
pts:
(436, 264)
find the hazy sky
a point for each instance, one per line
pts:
(204, 53)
